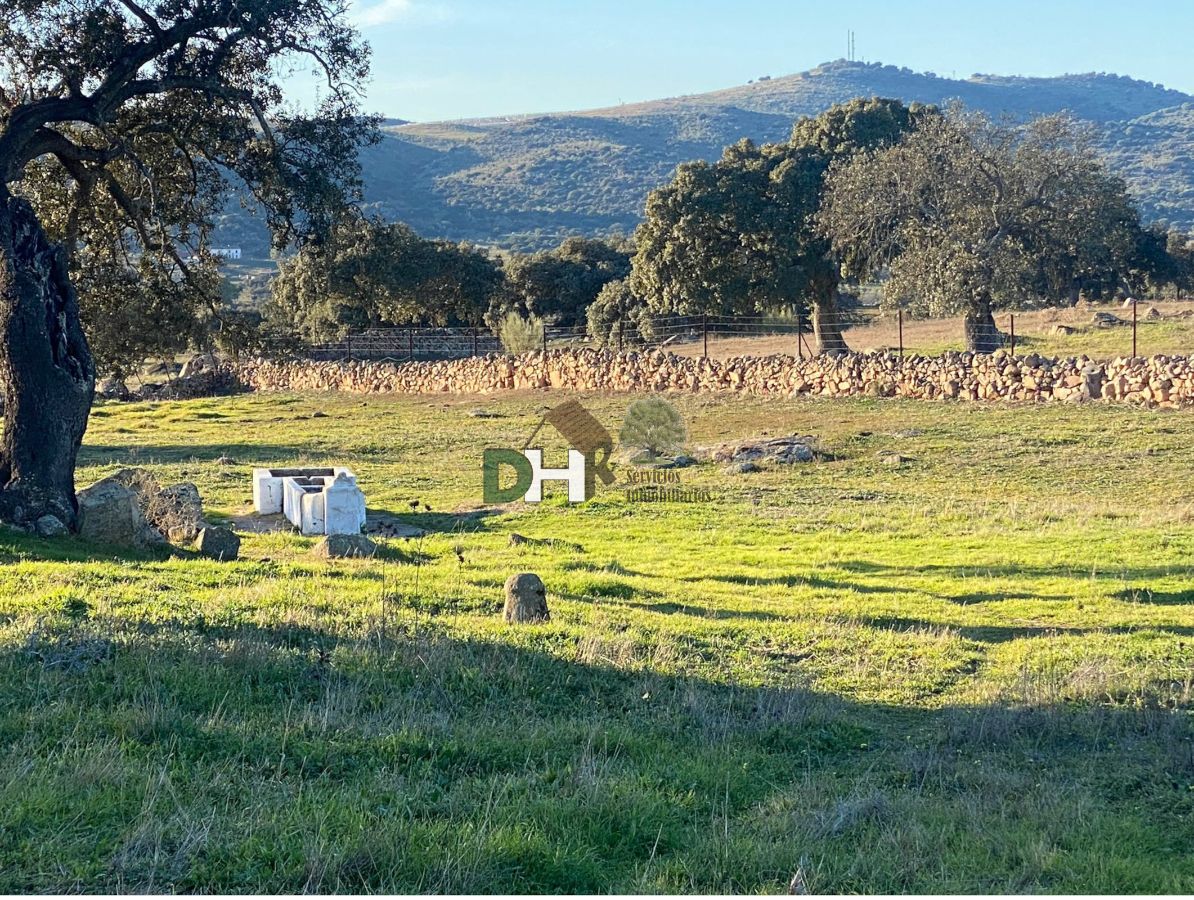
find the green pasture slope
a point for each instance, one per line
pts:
(972, 671)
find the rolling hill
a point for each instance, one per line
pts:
(526, 182)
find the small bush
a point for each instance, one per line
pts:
(653, 426)
(520, 334)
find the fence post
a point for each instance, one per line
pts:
(1012, 316)
(545, 339)
(799, 335)
(705, 334)
(410, 342)
(620, 327)
(474, 340)
(348, 342)
(900, 318)
(1134, 304)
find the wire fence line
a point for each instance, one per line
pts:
(416, 342)
(687, 335)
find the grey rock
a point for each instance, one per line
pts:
(50, 526)
(203, 362)
(1106, 320)
(177, 510)
(892, 459)
(794, 453)
(782, 450)
(110, 513)
(219, 543)
(344, 546)
(151, 537)
(526, 599)
(681, 462)
(744, 468)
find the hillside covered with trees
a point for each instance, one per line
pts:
(527, 182)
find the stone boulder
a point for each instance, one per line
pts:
(1106, 320)
(203, 362)
(219, 543)
(344, 546)
(110, 513)
(745, 467)
(526, 599)
(782, 450)
(177, 511)
(50, 526)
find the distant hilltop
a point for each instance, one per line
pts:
(525, 182)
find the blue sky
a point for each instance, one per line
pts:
(446, 59)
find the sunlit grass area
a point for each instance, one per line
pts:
(971, 671)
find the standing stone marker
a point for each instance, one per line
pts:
(526, 598)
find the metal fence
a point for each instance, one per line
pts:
(720, 336)
(686, 334)
(394, 344)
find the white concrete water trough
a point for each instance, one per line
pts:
(317, 501)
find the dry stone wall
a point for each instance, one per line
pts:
(1157, 381)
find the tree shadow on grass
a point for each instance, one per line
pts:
(596, 568)
(414, 761)
(792, 581)
(17, 546)
(1009, 570)
(997, 634)
(432, 522)
(704, 612)
(979, 597)
(244, 454)
(1161, 598)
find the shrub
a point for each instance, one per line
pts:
(520, 334)
(653, 426)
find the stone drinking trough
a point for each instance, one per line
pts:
(315, 500)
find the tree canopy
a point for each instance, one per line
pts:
(370, 273)
(964, 215)
(123, 126)
(740, 236)
(559, 285)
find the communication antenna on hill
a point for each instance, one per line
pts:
(850, 45)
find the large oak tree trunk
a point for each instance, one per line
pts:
(46, 371)
(979, 325)
(827, 326)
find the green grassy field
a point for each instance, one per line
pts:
(969, 672)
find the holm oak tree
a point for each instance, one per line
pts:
(151, 111)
